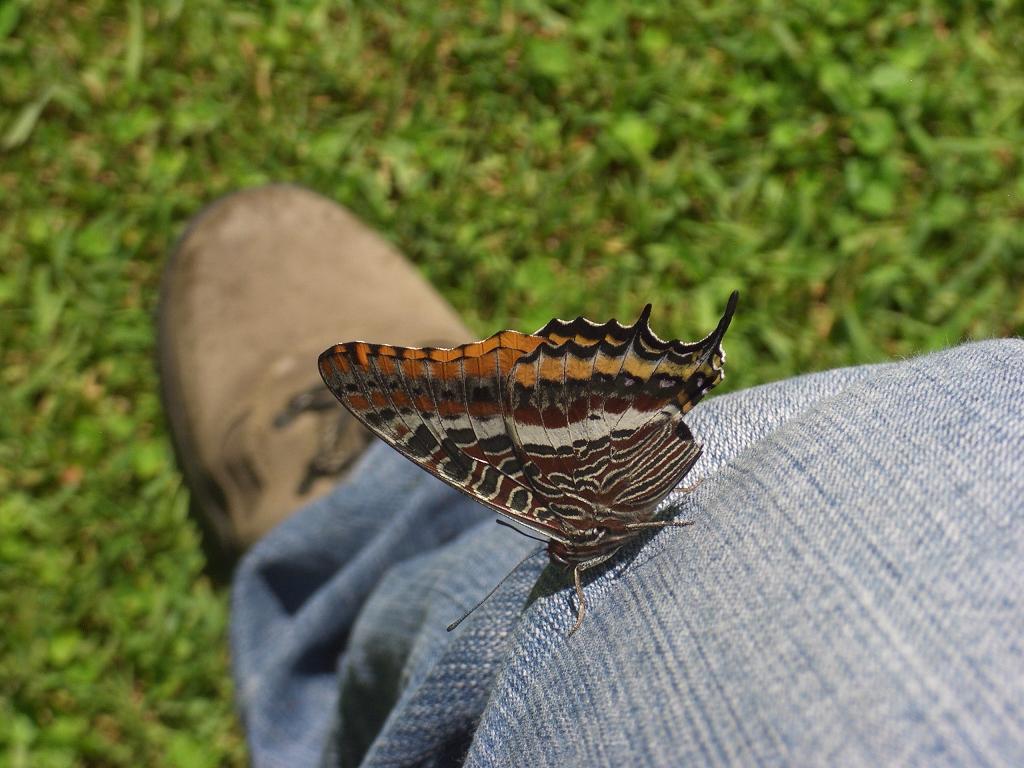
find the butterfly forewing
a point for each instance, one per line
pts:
(442, 409)
(597, 414)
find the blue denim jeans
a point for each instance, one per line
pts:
(852, 593)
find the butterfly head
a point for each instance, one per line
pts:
(587, 544)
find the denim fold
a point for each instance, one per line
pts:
(852, 593)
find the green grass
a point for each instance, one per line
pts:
(855, 169)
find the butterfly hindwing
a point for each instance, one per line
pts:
(624, 440)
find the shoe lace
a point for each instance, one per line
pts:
(340, 437)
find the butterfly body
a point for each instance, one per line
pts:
(574, 432)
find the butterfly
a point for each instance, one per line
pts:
(574, 432)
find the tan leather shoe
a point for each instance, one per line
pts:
(262, 282)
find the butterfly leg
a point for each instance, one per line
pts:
(660, 524)
(576, 572)
(691, 488)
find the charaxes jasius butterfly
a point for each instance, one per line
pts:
(575, 432)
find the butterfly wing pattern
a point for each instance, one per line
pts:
(575, 432)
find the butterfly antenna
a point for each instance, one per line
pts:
(456, 623)
(520, 531)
